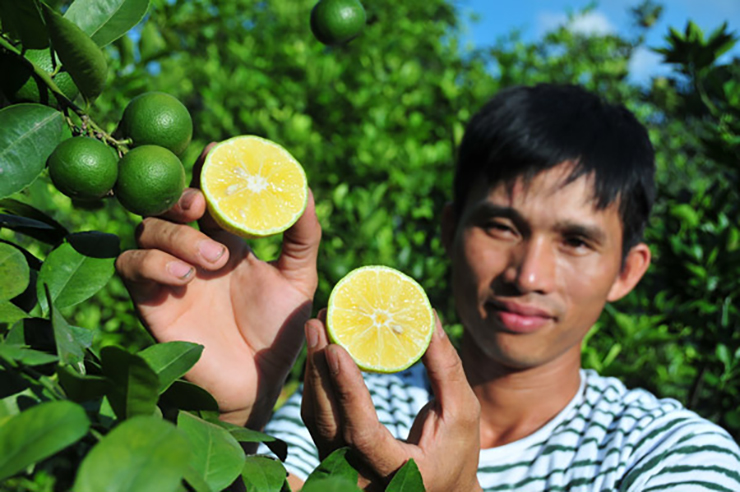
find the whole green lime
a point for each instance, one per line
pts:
(157, 118)
(20, 84)
(150, 180)
(337, 21)
(83, 168)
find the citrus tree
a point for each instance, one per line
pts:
(76, 414)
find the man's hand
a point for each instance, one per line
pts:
(209, 288)
(444, 440)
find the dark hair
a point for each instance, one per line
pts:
(523, 131)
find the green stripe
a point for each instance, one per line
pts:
(307, 448)
(706, 485)
(501, 468)
(290, 403)
(301, 466)
(689, 468)
(527, 464)
(606, 428)
(575, 482)
(660, 431)
(656, 460)
(692, 435)
(639, 428)
(629, 479)
(624, 412)
(555, 447)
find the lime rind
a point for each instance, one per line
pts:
(335, 339)
(235, 227)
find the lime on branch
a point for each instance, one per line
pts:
(83, 168)
(337, 21)
(150, 180)
(157, 118)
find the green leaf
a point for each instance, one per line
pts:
(38, 433)
(263, 474)
(23, 19)
(33, 262)
(125, 47)
(21, 209)
(723, 354)
(242, 434)
(334, 465)
(171, 360)
(195, 481)
(69, 350)
(331, 484)
(217, 457)
(151, 42)
(24, 355)
(81, 388)
(687, 214)
(10, 313)
(106, 20)
(14, 272)
(29, 133)
(188, 396)
(407, 479)
(32, 228)
(78, 268)
(81, 57)
(143, 454)
(134, 384)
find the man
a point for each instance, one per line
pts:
(552, 191)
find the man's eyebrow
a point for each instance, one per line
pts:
(488, 209)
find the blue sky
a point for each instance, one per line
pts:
(535, 17)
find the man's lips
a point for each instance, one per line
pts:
(520, 318)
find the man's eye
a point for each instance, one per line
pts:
(576, 243)
(499, 228)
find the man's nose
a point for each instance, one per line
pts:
(532, 266)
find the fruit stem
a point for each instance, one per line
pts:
(5, 41)
(95, 130)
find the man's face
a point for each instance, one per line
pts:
(533, 267)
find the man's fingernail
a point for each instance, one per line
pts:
(332, 359)
(180, 270)
(211, 250)
(312, 338)
(438, 328)
(441, 333)
(187, 199)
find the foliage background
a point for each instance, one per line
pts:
(376, 124)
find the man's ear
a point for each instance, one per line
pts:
(449, 226)
(635, 265)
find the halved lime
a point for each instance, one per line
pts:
(382, 317)
(253, 186)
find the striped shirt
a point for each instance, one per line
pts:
(608, 438)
